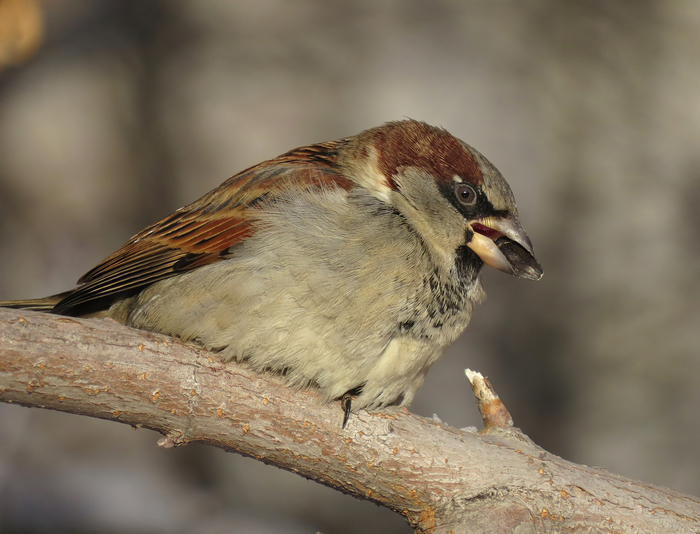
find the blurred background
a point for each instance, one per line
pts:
(113, 114)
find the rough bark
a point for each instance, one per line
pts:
(440, 478)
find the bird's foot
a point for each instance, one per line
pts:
(346, 402)
(346, 405)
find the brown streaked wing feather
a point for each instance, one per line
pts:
(202, 232)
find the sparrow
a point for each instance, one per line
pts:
(349, 265)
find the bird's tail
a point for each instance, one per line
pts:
(46, 304)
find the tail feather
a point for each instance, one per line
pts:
(47, 304)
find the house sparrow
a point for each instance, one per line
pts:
(349, 265)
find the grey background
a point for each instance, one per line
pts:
(590, 109)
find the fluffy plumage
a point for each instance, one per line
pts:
(349, 265)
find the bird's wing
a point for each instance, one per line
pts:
(202, 233)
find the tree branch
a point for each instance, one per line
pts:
(440, 478)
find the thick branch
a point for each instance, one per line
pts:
(442, 479)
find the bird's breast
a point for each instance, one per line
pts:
(325, 293)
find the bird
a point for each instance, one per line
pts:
(349, 266)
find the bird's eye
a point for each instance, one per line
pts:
(465, 194)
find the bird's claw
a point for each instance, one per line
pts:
(346, 405)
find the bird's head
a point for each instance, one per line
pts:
(452, 195)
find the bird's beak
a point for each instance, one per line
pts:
(504, 245)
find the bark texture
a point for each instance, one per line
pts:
(440, 478)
